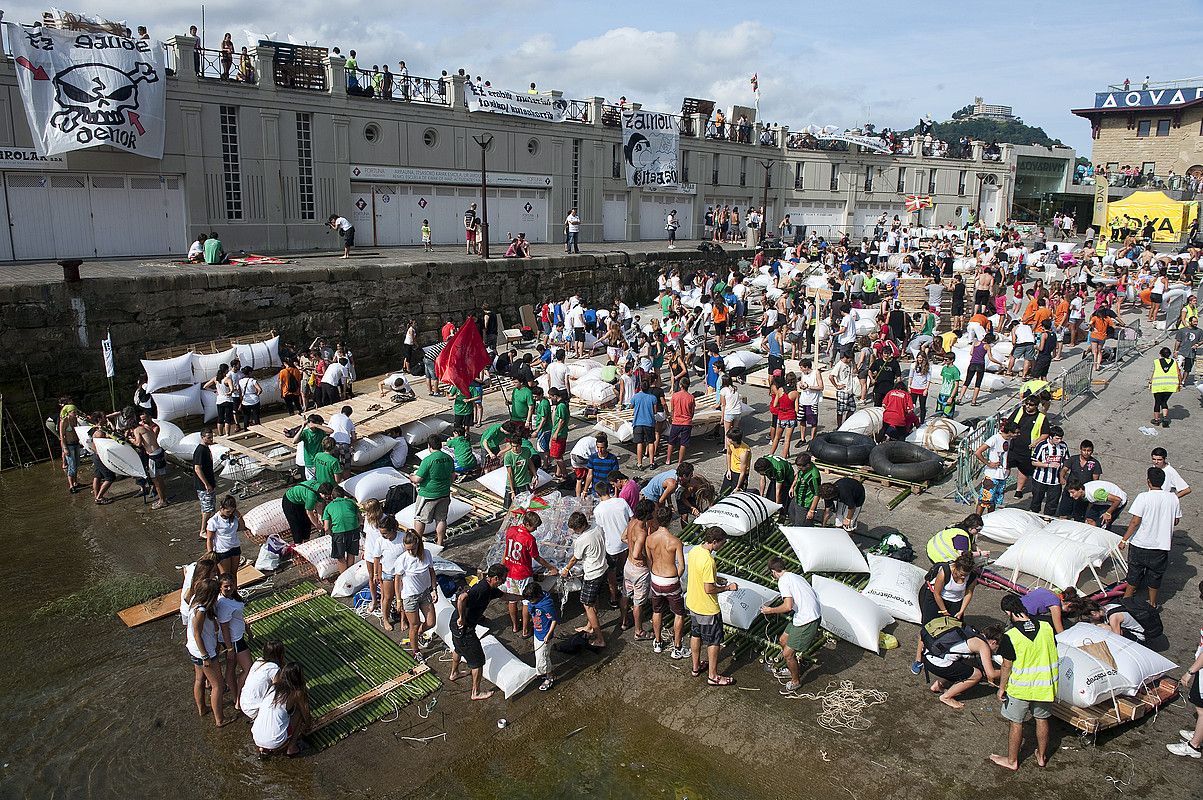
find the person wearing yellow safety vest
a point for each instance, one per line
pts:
(1030, 421)
(1190, 312)
(945, 546)
(1165, 380)
(1028, 683)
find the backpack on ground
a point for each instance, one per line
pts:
(398, 497)
(944, 633)
(1146, 615)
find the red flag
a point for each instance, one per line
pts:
(462, 357)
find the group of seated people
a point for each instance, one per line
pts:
(208, 249)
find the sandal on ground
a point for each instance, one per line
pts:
(721, 680)
(643, 636)
(703, 667)
(104, 501)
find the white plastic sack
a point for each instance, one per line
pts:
(269, 391)
(85, 441)
(184, 402)
(441, 565)
(120, 458)
(266, 518)
(741, 607)
(825, 550)
(866, 420)
(938, 433)
(623, 433)
(1083, 680)
(418, 431)
(170, 436)
(373, 484)
(204, 366)
(371, 449)
(260, 355)
(495, 481)
(317, 552)
(1009, 525)
(850, 615)
(352, 580)
(399, 453)
(1136, 663)
(162, 373)
(738, 513)
(1081, 532)
(1052, 558)
(456, 511)
(503, 669)
(594, 391)
(894, 585)
(743, 358)
(578, 370)
(267, 561)
(208, 400)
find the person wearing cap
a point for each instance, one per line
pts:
(1031, 434)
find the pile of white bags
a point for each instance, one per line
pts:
(738, 513)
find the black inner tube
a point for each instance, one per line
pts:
(842, 447)
(905, 461)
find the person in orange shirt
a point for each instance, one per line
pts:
(1041, 313)
(1029, 311)
(290, 387)
(1060, 317)
(719, 314)
(1101, 323)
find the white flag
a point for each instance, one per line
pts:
(106, 347)
(85, 89)
(649, 146)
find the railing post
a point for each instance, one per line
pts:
(783, 134)
(596, 109)
(458, 98)
(978, 150)
(265, 70)
(184, 49)
(336, 74)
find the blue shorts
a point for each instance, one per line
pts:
(543, 442)
(995, 495)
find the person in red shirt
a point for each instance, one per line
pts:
(448, 329)
(682, 404)
(885, 344)
(518, 552)
(898, 412)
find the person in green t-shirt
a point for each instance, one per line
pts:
(559, 431)
(805, 490)
(776, 479)
(326, 466)
(461, 407)
(521, 402)
(341, 521)
(494, 437)
(950, 382)
(215, 252)
(433, 477)
(541, 420)
(460, 445)
(519, 471)
(300, 506)
(666, 303)
(310, 436)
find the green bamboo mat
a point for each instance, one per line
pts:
(343, 656)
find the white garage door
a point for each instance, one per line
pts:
(393, 214)
(822, 219)
(864, 218)
(81, 216)
(653, 211)
(614, 217)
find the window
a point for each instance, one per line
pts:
(869, 178)
(1142, 128)
(835, 178)
(305, 165)
(532, 146)
(901, 187)
(576, 173)
(714, 169)
(799, 174)
(684, 166)
(1149, 168)
(961, 182)
(1163, 127)
(614, 173)
(743, 170)
(430, 137)
(371, 133)
(918, 181)
(931, 182)
(231, 166)
(1112, 166)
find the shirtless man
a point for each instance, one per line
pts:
(667, 556)
(636, 576)
(145, 436)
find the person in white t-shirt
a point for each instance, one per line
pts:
(1149, 535)
(414, 572)
(330, 389)
(572, 231)
(284, 713)
(800, 600)
(993, 455)
(1174, 482)
(259, 678)
(612, 514)
(345, 229)
(589, 550)
(344, 428)
(576, 323)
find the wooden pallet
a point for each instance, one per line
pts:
(168, 604)
(211, 347)
(255, 445)
(1105, 715)
(370, 413)
(867, 474)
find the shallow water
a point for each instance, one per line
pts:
(96, 710)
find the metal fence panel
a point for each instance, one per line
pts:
(1075, 383)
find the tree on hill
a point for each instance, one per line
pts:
(963, 112)
(1012, 131)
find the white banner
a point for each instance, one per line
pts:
(106, 347)
(89, 89)
(874, 143)
(516, 104)
(649, 147)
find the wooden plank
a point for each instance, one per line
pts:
(169, 604)
(272, 462)
(375, 693)
(368, 420)
(267, 612)
(211, 347)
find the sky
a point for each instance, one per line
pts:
(844, 64)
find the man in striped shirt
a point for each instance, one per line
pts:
(1047, 460)
(601, 465)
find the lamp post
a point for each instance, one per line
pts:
(484, 140)
(764, 204)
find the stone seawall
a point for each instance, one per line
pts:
(56, 328)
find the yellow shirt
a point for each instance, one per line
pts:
(699, 565)
(947, 340)
(737, 458)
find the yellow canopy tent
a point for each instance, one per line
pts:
(1170, 217)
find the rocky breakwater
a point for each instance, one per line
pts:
(56, 328)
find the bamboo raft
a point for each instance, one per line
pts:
(356, 675)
